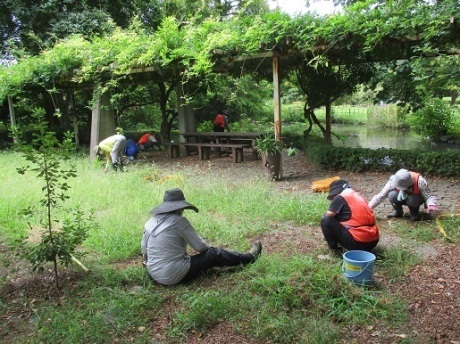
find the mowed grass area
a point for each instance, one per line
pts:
(286, 297)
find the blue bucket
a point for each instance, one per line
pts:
(358, 266)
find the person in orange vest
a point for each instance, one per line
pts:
(349, 223)
(406, 188)
(221, 122)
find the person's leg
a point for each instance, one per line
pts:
(148, 144)
(414, 202)
(117, 154)
(215, 256)
(335, 233)
(397, 205)
(364, 246)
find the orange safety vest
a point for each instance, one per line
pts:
(415, 189)
(361, 224)
(220, 120)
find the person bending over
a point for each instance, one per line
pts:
(406, 188)
(113, 148)
(221, 122)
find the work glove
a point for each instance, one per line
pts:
(431, 209)
(402, 195)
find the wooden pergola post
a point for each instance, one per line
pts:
(277, 106)
(12, 116)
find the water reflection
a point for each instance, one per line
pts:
(361, 136)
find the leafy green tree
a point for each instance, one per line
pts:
(59, 239)
(323, 84)
(432, 120)
(32, 25)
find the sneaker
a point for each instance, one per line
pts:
(415, 217)
(256, 250)
(395, 214)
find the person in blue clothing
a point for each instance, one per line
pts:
(132, 149)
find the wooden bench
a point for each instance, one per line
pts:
(205, 148)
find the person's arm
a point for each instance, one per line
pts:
(226, 123)
(335, 207)
(108, 160)
(191, 237)
(377, 199)
(145, 239)
(429, 198)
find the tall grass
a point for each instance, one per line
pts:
(283, 298)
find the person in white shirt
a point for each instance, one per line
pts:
(166, 237)
(406, 188)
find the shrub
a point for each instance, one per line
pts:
(446, 164)
(433, 120)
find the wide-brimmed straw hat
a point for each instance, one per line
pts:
(173, 200)
(402, 179)
(336, 187)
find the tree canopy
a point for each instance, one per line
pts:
(194, 48)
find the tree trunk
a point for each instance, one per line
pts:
(327, 133)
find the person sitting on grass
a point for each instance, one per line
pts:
(349, 221)
(113, 148)
(409, 189)
(166, 237)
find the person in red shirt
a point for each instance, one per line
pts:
(221, 122)
(146, 141)
(349, 223)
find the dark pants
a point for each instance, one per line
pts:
(218, 128)
(335, 233)
(215, 256)
(413, 202)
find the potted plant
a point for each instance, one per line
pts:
(270, 149)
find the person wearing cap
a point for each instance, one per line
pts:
(168, 234)
(221, 122)
(406, 188)
(349, 221)
(113, 148)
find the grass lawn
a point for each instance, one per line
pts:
(288, 296)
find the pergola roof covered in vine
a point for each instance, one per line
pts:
(199, 49)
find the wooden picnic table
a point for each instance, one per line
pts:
(226, 135)
(203, 142)
(223, 137)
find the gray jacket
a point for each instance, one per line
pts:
(164, 247)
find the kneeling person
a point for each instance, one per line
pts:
(165, 239)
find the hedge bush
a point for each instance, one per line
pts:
(443, 164)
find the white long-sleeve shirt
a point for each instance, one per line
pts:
(425, 191)
(164, 247)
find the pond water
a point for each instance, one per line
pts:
(362, 136)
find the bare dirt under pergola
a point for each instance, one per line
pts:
(432, 288)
